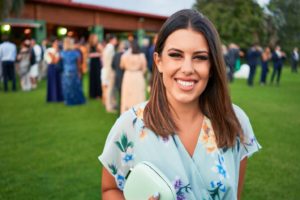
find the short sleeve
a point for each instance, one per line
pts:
(248, 144)
(118, 153)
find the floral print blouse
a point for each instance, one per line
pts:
(210, 173)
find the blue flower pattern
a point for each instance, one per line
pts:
(217, 185)
(249, 142)
(127, 158)
(181, 189)
(216, 188)
(220, 166)
(119, 177)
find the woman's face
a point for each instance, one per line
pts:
(55, 44)
(185, 66)
(94, 40)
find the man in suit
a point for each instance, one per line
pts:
(232, 57)
(253, 55)
(278, 57)
(122, 47)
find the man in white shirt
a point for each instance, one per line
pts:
(43, 65)
(108, 74)
(8, 53)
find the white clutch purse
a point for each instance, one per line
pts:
(144, 180)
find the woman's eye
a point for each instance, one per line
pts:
(175, 55)
(201, 57)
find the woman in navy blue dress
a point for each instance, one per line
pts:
(54, 90)
(95, 90)
(72, 88)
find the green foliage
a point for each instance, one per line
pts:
(214, 193)
(123, 144)
(288, 31)
(113, 169)
(8, 7)
(237, 21)
(273, 22)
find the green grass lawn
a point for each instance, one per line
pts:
(49, 151)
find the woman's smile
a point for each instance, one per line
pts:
(185, 84)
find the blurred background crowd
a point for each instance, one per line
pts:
(116, 56)
(116, 69)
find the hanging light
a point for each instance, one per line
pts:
(62, 31)
(5, 28)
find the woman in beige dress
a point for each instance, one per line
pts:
(133, 85)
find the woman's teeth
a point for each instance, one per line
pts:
(186, 83)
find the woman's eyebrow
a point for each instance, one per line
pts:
(174, 49)
(196, 52)
(201, 51)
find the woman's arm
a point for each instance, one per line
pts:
(56, 58)
(110, 190)
(242, 173)
(109, 187)
(122, 61)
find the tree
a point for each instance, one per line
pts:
(10, 7)
(288, 32)
(273, 22)
(238, 21)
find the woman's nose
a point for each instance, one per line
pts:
(187, 66)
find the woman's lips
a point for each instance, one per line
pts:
(185, 84)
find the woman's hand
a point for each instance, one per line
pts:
(154, 197)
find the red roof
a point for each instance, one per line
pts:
(69, 3)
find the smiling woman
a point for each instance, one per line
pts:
(185, 66)
(189, 129)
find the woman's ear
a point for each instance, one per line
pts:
(157, 61)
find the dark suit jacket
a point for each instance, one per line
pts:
(252, 56)
(277, 60)
(116, 67)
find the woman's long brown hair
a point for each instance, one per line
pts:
(214, 102)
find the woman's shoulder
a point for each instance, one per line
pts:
(248, 145)
(244, 121)
(240, 114)
(134, 113)
(128, 123)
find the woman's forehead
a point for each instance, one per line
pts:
(187, 39)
